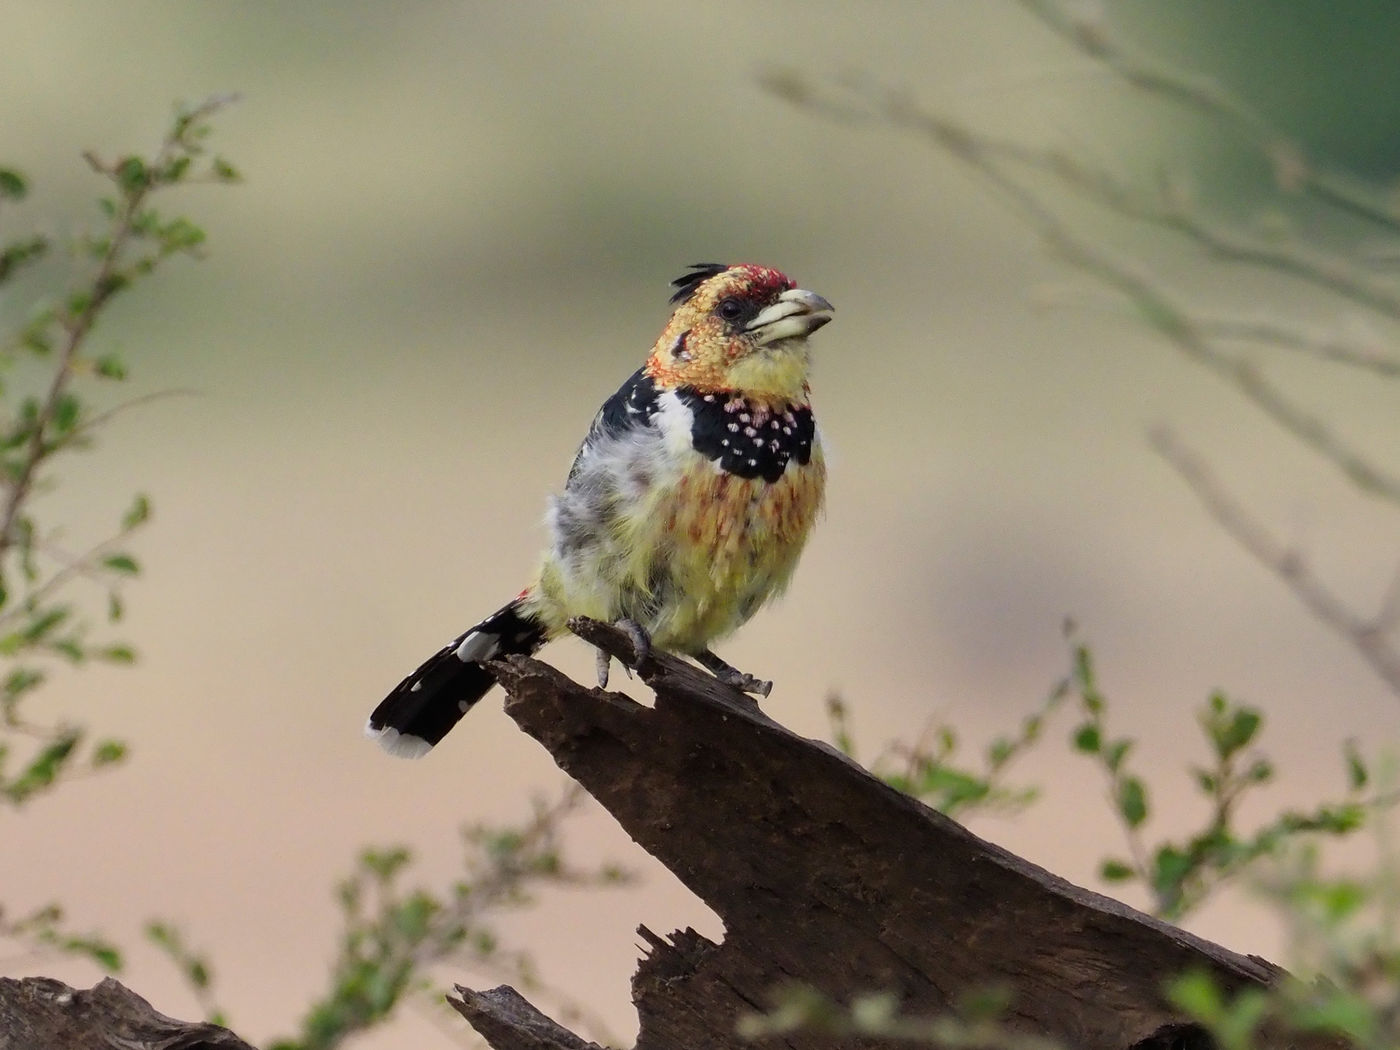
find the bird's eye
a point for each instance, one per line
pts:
(730, 309)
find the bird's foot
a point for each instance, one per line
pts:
(637, 635)
(745, 683)
(641, 650)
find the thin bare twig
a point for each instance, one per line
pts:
(1370, 637)
(1327, 347)
(1156, 304)
(1090, 34)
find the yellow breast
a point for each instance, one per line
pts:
(696, 556)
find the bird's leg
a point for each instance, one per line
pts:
(641, 650)
(745, 683)
(637, 635)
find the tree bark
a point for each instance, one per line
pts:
(39, 1013)
(826, 876)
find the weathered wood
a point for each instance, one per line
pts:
(505, 1019)
(825, 875)
(39, 1013)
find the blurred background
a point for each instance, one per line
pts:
(454, 240)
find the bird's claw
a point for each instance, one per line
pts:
(732, 676)
(747, 683)
(641, 650)
(637, 635)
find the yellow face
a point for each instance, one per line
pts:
(742, 329)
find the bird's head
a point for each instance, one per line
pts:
(739, 328)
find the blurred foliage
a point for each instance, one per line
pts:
(1181, 874)
(43, 609)
(930, 771)
(47, 592)
(393, 936)
(975, 1022)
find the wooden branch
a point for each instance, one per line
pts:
(39, 1013)
(504, 1018)
(827, 876)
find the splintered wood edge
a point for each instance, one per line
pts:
(509, 1021)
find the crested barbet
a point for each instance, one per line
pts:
(685, 509)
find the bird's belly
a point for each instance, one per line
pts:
(693, 556)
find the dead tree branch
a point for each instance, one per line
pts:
(38, 1013)
(825, 876)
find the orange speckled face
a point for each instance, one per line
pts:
(739, 328)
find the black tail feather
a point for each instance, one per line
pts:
(425, 706)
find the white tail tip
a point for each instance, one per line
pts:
(400, 745)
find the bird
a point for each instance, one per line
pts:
(685, 510)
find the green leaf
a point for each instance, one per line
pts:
(123, 563)
(224, 171)
(66, 411)
(1197, 994)
(178, 235)
(105, 954)
(108, 752)
(1112, 870)
(131, 174)
(109, 366)
(12, 184)
(1260, 771)
(1238, 732)
(71, 648)
(44, 623)
(1000, 751)
(44, 768)
(117, 654)
(1357, 774)
(176, 169)
(385, 864)
(1132, 801)
(1115, 753)
(1343, 1013)
(20, 681)
(950, 787)
(1170, 867)
(137, 513)
(1088, 738)
(13, 256)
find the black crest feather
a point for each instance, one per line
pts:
(686, 284)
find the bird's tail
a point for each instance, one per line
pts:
(429, 702)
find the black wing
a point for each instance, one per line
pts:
(631, 408)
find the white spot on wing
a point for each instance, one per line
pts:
(477, 646)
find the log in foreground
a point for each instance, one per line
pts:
(826, 876)
(39, 1013)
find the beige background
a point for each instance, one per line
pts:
(454, 241)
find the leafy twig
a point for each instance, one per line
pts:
(1181, 874)
(393, 938)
